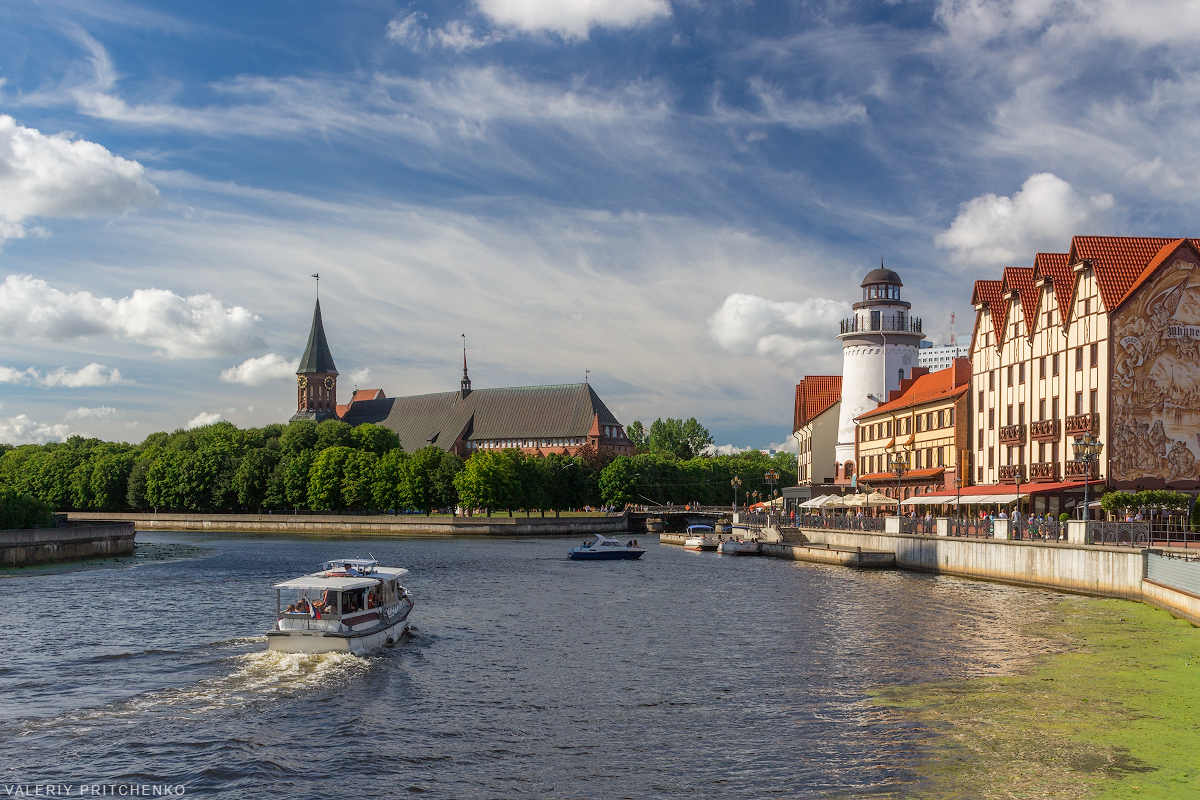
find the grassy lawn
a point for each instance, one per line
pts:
(1115, 713)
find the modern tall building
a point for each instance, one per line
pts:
(1102, 339)
(940, 356)
(880, 346)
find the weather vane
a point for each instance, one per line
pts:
(317, 275)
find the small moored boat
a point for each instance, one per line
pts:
(701, 537)
(352, 605)
(605, 549)
(741, 543)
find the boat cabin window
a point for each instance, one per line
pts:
(354, 601)
(309, 602)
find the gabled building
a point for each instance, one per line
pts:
(1100, 339)
(316, 377)
(926, 422)
(815, 427)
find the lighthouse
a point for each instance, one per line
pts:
(879, 349)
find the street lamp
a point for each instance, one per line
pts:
(898, 465)
(1017, 476)
(771, 477)
(1087, 452)
(735, 483)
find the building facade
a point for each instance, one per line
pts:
(815, 428)
(926, 423)
(880, 345)
(1100, 339)
(940, 356)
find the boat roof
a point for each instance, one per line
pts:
(700, 527)
(321, 582)
(354, 562)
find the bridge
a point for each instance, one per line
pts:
(677, 518)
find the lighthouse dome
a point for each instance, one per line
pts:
(882, 275)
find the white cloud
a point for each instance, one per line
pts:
(799, 114)
(572, 18)
(255, 371)
(202, 419)
(178, 327)
(99, 412)
(1137, 21)
(56, 176)
(22, 430)
(725, 450)
(359, 376)
(1041, 217)
(456, 34)
(746, 323)
(90, 376)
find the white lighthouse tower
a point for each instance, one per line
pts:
(879, 349)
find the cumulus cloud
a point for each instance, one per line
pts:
(91, 375)
(56, 176)
(22, 430)
(746, 324)
(177, 327)
(360, 375)
(1042, 216)
(202, 419)
(99, 412)
(256, 371)
(572, 18)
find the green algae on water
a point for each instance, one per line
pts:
(1115, 713)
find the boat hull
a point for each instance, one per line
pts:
(701, 544)
(615, 555)
(740, 549)
(353, 642)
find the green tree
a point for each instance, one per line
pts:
(135, 492)
(420, 485)
(636, 434)
(679, 438)
(487, 481)
(333, 433)
(387, 491)
(298, 437)
(252, 481)
(326, 477)
(358, 479)
(164, 481)
(374, 438)
(18, 511)
(443, 480)
(618, 482)
(295, 479)
(110, 480)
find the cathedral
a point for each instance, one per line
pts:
(540, 420)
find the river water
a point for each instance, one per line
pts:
(680, 675)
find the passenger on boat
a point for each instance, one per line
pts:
(351, 571)
(290, 609)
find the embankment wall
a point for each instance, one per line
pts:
(29, 546)
(380, 525)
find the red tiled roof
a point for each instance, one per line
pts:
(1057, 267)
(814, 395)
(1118, 261)
(1159, 259)
(991, 294)
(926, 389)
(1020, 280)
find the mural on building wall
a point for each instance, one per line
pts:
(1155, 400)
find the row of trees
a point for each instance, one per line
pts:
(331, 466)
(673, 438)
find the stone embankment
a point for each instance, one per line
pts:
(375, 524)
(26, 547)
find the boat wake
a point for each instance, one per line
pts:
(256, 677)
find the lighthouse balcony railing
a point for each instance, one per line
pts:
(901, 323)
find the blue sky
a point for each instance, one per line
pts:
(679, 196)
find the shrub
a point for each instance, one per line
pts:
(23, 511)
(1063, 517)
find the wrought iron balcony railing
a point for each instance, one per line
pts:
(1044, 430)
(902, 323)
(1080, 424)
(1012, 434)
(1079, 469)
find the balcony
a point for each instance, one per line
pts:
(1008, 473)
(1044, 472)
(1083, 423)
(901, 323)
(1044, 430)
(1012, 434)
(1078, 470)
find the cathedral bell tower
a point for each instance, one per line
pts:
(316, 377)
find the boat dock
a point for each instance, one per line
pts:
(817, 553)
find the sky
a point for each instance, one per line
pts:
(675, 198)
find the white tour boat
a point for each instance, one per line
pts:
(352, 605)
(741, 543)
(701, 537)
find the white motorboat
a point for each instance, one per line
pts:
(352, 605)
(606, 549)
(740, 543)
(701, 537)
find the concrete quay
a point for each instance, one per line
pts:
(29, 546)
(374, 524)
(831, 554)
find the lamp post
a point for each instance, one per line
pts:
(1087, 452)
(958, 500)
(1017, 480)
(898, 465)
(771, 477)
(735, 483)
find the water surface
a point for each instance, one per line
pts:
(680, 675)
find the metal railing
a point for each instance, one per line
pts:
(902, 323)
(1045, 530)
(1171, 532)
(971, 526)
(841, 522)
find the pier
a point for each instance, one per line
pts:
(29, 546)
